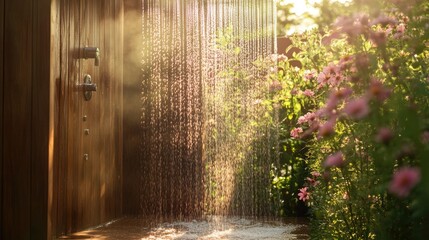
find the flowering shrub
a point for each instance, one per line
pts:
(359, 104)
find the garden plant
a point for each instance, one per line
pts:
(353, 110)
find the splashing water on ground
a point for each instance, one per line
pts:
(233, 228)
(225, 228)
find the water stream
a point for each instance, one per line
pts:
(207, 148)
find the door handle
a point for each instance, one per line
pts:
(87, 87)
(92, 52)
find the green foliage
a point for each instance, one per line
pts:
(369, 86)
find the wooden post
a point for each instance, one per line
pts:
(25, 113)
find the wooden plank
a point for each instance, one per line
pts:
(69, 108)
(17, 121)
(2, 114)
(83, 143)
(97, 149)
(74, 117)
(40, 97)
(103, 146)
(76, 159)
(107, 118)
(54, 113)
(119, 54)
(109, 99)
(87, 181)
(61, 189)
(90, 190)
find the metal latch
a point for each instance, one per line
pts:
(92, 52)
(88, 87)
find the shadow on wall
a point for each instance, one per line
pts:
(132, 105)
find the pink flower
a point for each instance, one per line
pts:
(357, 108)
(331, 75)
(343, 93)
(400, 31)
(315, 174)
(308, 93)
(310, 116)
(303, 194)
(313, 182)
(295, 132)
(334, 99)
(301, 120)
(379, 91)
(352, 26)
(327, 129)
(331, 69)
(404, 180)
(400, 28)
(310, 74)
(334, 160)
(323, 79)
(307, 118)
(331, 104)
(384, 135)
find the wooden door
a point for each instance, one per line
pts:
(88, 192)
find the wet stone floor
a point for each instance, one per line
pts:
(211, 228)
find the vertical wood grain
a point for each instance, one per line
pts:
(106, 79)
(118, 70)
(72, 108)
(104, 146)
(90, 189)
(1, 112)
(84, 168)
(61, 178)
(17, 124)
(39, 102)
(25, 43)
(41, 164)
(75, 128)
(54, 110)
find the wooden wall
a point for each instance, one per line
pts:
(46, 190)
(25, 40)
(88, 192)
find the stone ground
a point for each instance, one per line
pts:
(213, 228)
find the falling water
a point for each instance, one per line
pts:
(206, 143)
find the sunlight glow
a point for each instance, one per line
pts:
(302, 8)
